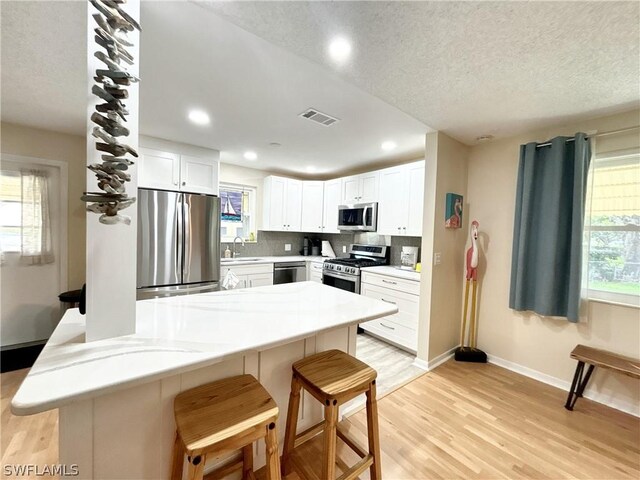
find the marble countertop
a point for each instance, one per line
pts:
(273, 259)
(394, 271)
(178, 334)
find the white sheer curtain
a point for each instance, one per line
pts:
(36, 244)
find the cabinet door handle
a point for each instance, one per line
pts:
(184, 183)
(389, 281)
(388, 301)
(387, 326)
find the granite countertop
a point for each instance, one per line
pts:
(178, 334)
(394, 271)
(227, 262)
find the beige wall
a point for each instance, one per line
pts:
(541, 344)
(442, 285)
(32, 142)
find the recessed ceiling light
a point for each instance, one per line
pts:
(388, 145)
(311, 169)
(250, 155)
(340, 49)
(199, 117)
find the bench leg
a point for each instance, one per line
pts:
(583, 385)
(578, 385)
(572, 391)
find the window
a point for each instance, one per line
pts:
(25, 223)
(10, 211)
(238, 206)
(612, 228)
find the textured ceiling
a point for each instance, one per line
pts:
(469, 68)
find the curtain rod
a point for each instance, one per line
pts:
(603, 134)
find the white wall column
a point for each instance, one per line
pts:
(111, 249)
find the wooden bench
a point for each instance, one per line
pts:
(597, 358)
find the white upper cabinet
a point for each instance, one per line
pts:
(198, 175)
(392, 207)
(415, 204)
(312, 206)
(401, 200)
(361, 188)
(168, 166)
(369, 187)
(282, 204)
(158, 169)
(332, 191)
(293, 205)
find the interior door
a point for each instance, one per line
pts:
(201, 239)
(159, 256)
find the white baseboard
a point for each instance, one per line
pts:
(431, 364)
(623, 406)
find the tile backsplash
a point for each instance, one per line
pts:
(272, 243)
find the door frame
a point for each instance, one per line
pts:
(63, 206)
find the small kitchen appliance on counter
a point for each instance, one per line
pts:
(344, 273)
(409, 258)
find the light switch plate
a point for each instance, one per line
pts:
(287, 247)
(344, 249)
(437, 258)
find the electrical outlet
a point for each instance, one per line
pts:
(437, 258)
(344, 249)
(287, 247)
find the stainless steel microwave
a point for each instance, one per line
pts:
(362, 217)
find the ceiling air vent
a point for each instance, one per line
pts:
(319, 117)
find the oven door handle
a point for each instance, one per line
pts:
(329, 273)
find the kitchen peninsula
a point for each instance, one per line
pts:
(115, 396)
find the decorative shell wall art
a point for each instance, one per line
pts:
(113, 24)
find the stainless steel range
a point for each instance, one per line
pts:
(344, 273)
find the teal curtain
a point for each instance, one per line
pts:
(546, 261)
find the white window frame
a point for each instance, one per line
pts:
(625, 299)
(253, 191)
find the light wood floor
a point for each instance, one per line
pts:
(461, 420)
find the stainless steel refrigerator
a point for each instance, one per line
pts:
(178, 243)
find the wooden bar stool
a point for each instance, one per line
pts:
(333, 378)
(220, 417)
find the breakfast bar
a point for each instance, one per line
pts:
(115, 396)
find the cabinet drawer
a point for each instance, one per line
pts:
(407, 286)
(316, 277)
(390, 330)
(406, 302)
(316, 267)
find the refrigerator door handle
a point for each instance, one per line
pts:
(180, 237)
(186, 265)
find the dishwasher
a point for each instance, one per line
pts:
(289, 272)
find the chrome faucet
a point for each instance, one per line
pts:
(234, 245)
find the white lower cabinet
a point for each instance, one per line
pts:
(314, 271)
(249, 275)
(401, 328)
